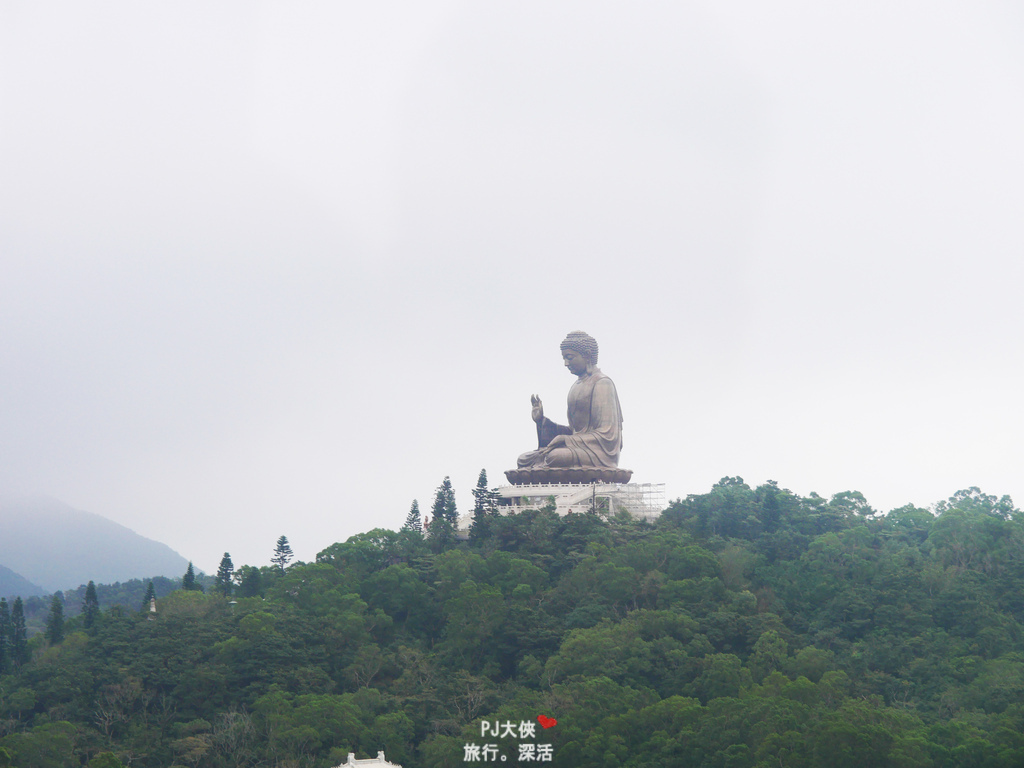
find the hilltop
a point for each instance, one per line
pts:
(746, 627)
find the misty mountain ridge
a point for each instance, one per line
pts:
(50, 545)
(15, 585)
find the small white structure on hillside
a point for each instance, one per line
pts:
(379, 761)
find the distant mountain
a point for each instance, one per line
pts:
(55, 546)
(15, 585)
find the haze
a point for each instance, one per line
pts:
(277, 268)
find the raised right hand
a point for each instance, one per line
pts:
(538, 409)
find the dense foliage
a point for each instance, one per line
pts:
(746, 628)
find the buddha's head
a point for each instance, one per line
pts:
(579, 351)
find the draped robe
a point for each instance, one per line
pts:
(594, 435)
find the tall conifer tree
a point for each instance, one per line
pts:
(6, 634)
(224, 574)
(282, 554)
(90, 606)
(188, 581)
(147, 601)
(413, 522)
(19, 634)
(485, 503)
(445, 517)
(55, 620)
(444, 502)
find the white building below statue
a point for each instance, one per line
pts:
(642, 501)
(379, 761)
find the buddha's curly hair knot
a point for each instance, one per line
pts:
(581, 342)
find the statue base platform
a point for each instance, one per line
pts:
(640, 501)
(568, 475)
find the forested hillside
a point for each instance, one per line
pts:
(746, 628)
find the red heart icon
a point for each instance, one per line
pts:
(546, 722)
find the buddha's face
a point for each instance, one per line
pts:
(575, 362)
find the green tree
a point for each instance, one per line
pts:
(19, 634)
(6, 632)
(189, 582)
(150, 596)
(225, 573)
(910, 521)
(445, 517)
(769, 653)
(412, 520)
(55, 619)
(282, 554)
(441, 533)
(973, 500)
(485, 504)
(444, 503)
(851, 504)
(90, 606)
(105, 760)
(967, 537)
(250, 581)
(730, 509)
(50, 745)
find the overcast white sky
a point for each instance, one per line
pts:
(278, 268)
